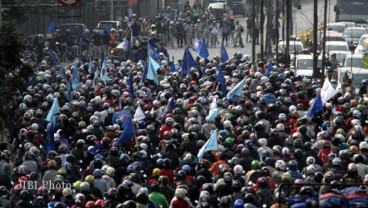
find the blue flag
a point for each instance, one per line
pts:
(212, 114)
(269, 68)
(107, 30)
(128, 131)
(53, 57)
(210, 145)
(102, 59)
(75, 80)
(91, 67)
(85, 40)
(96, 80)
(188, 62)
(220, 79)
(169, 108)
(152, 69)
(130, 85)
(51, 27)
(236, 92)
(55, 109)
(223, 54)
(151, 52)
(120, 116)
(120, 104)
(203, 50)
(172, 67)
(197, 44)
(69, 92)
(104, 74)
(50, 143)
(145, 71)
(316, 107)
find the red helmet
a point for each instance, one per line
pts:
(17, 189)
(90, 204)
(42, 191)
(99, 203)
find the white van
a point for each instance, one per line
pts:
(353, 60)
(354, 73)
(295, 46)
(304, 66)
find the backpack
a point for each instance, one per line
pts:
(241, 29)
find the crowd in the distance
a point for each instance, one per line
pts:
(271, 152)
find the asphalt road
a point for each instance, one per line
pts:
(302, 19)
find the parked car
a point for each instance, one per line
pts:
(220, 8)
(352, 35)
(238, 7)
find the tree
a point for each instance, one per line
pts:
(13, 71)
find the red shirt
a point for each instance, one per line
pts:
(169, 174)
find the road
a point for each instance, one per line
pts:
(303, 20)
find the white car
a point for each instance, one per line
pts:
(220, 8)
(353, 73)
(359, 49)
(304, 66)
(353, 60)
(336, 46)
(295, 46)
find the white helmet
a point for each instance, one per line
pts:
(310, 160)
(280, 165)
(238, 170)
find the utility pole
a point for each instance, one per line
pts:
(261, 29)
(277, 15)
(253, 31)
(1, 15)
(324, 42)
(315, 44)
(111, 9)
(287, 38)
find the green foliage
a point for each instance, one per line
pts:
(12, 69)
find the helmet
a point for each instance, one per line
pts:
(364, 82)
(239, 203)
(262, 182)
(310, 160)
(100, 203)
(186, 168)
(280, 165)
(90, 204)
(255, 164)
(352, 168)
(238, 170)
(156, 172)
(229, 142)
(336, 161)
(292, 164)
(25, 195)
(89, 178)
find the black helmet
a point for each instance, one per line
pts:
(25, 195)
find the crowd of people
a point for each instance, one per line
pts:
(271, 152)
